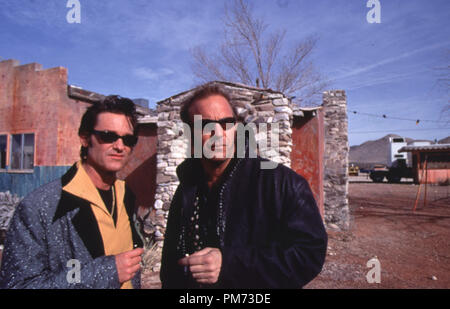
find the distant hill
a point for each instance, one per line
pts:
(445, 140)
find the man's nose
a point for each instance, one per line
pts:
(118, 144)
(218, 130)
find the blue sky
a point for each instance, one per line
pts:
(140, 49)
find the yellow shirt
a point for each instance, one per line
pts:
(116, 238)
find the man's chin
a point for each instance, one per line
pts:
(115, 166)
(217, 160)
(219, 155)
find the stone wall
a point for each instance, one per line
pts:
(8, 203)
(336, 160)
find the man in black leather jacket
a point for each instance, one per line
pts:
(234, 225)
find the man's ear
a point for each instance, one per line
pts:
(84, 140)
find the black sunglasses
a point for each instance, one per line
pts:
(222, 122)
(110, 137)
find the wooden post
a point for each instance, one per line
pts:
(426, 181)
(420, 183)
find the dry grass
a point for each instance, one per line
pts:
(151, 256)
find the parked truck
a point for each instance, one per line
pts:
(398, 166)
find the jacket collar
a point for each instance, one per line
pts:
(78, 192)
(82, 186)
(190, 171)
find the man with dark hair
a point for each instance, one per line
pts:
(78, 231)
(232, 224)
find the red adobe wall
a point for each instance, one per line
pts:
(431, 175)
(307, 152)
(6, 94)
(436, 176)
(140, 172)
(36, 101)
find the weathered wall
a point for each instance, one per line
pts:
(24, 183)
(141, 169)
(33, 100)
(7, 82)
(437, 170)
(435, 176)
(307, 152)
(336, 159)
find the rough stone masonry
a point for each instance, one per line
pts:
(8, 203)
(336, 160)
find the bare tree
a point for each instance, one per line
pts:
(247, 55)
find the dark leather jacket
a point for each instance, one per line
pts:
(271, 232)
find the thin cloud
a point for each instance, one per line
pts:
(151, 74)
(385, 78)
(364, 69)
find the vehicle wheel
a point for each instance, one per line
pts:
(394, 179)
(377, 178)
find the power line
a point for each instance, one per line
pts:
(397, 130)
(384, 116)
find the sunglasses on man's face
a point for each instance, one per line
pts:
(110, 137)
(222, 122)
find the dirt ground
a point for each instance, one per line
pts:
(413, 248)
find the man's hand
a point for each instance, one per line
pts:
(127, 264)
(204, 265)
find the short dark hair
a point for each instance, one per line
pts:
(111, 104)
(202, 92)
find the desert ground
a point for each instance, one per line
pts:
(412, 247)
